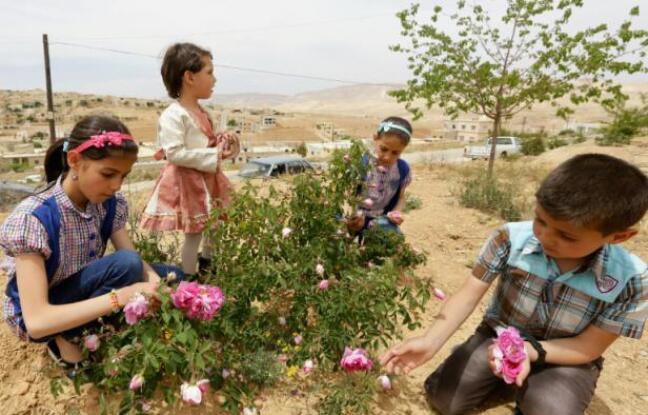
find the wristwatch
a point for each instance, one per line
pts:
(542, 353)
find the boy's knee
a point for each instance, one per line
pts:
(440, 401)
(541, 402)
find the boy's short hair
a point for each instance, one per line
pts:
(595, 190)
(181, 57)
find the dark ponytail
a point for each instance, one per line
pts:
(56, 159)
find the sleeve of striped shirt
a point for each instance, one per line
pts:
(493, 256)
(22, 233)
(121, 213)
(628, 314)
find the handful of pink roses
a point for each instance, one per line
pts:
(509, 354)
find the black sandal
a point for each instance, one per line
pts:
(69, 368)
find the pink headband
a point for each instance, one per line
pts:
(113, 138)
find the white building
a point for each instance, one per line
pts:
(466, 128)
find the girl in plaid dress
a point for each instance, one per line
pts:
(59, 280)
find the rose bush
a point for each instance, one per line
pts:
(287, 292)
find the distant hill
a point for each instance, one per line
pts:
(355, 100)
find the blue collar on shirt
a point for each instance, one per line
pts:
(603, 275)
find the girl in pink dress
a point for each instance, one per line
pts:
(192, 182)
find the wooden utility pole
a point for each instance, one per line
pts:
(48, 82)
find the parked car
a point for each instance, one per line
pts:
(275, 166)
(505, 146)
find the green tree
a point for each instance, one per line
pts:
(301, 149)
(529, 55)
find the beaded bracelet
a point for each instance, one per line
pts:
(114, 301)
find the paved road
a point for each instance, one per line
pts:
(453, 155)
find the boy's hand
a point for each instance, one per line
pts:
(521, 377)
(407, 356)
(395, 217)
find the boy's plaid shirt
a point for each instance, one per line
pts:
(546, 308)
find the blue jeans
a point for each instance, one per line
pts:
(114, 271)
(383, 223)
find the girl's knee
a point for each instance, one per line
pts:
(129, 265)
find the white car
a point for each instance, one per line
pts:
(505, 146)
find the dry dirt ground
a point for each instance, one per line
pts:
(452, 236)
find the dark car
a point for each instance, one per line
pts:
(275, 166)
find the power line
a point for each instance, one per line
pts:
(233, 31)
(225, 66)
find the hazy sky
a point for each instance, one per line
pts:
(339, 39)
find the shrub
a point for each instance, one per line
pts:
(301, 149)
(489, 195)
(556, 142)
(412, 203)
(532, 146)
(271, 256)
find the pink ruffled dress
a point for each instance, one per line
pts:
(183, 196)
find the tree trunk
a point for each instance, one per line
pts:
(497, 124)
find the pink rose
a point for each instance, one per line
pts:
(323, 285)
(136, 309)
(319, 269)
(298, 339)
(384, 382)
(308, 366)
(285, 232)
(355, 360)
(206, 304)
(511, 344)
(92, 342)
(136, 382)
(438, 294)
(184, 294)
(191, 394)
(203, 385)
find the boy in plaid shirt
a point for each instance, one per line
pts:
(565, 283)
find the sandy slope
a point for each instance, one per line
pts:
(452, 235)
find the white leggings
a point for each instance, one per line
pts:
(190, 252)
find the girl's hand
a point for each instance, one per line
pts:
(395, 217)
(152, 276)
(355, 223)
(234, 144)
(149, 288)
(230, 147)
(407, 356)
